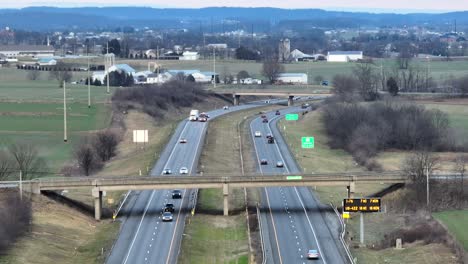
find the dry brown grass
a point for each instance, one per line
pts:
(60, 234)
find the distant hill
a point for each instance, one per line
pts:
(51, 18)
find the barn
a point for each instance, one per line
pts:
(344, 56)
(292, 78)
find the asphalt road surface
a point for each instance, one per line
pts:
(143, 237)
(292, 222)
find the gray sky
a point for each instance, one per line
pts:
(402, 6)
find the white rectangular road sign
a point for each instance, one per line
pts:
(140, 136)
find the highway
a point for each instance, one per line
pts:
(291, 219)
(143, 237)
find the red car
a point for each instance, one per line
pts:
(277, 112)
(265, 120)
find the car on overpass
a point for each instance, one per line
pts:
(312, 254)
(258, 134)
(176, 194)
(183, 170)
(167, 171)
(167, 217)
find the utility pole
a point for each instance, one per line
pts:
(427, 188)
(107, 67)
(21, 184)
(65, 137)
(214, 67)
(361, 235)
(89, 87)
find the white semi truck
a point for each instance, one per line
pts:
(194, 113)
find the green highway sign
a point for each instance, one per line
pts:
(292, 117)
(290, 178)
(307, 142)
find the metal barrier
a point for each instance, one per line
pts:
(342, 235)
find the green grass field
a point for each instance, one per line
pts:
(438, 69)
(32, 112)
(456, 222)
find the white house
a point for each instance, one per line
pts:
(344, 56)
(292, 78)
(250, 81)
(189, 55)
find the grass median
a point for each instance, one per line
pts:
(209, 236)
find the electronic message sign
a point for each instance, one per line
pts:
(364, 205)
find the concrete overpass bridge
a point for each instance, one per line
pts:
(98, 185)
(289, 94)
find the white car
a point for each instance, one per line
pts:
(167, 171)
(226, 107)
(312, 254)
(183, 170)
(183, 140)
(258, 134)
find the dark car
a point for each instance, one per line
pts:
(263, 162)
(265, 120)
(176, 194)
(169, 208)
(263, 116)
(277, 112)
(324, 83)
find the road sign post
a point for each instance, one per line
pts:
(308, 142)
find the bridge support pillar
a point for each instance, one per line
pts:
(97, 194)
(226, 200)
(351, 189)
(291, 100)
(236, 99)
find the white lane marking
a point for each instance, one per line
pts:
(300, 200)
(175, 228)
(139, 226)
(175, 146)
(310, 224)
(267, 196)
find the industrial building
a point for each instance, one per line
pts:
(13, 52)
(344, 56)
(292, 78)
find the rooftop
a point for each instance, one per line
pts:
(344, 52)
(26, 48)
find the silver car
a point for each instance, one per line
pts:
(167, 217)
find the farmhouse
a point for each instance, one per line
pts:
(344, 56)
(13, 52)
(101, 75)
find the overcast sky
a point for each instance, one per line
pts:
(401, 6)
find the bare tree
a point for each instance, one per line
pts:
(242, 75)
(368, 80)
(271, 69)
(33, 75)
(416, 166)
(105, 145)
(461, 85)
(26, 159)
(87, 158)
(318, 79)
(6, 165)
(60, 73)
(346, 87)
